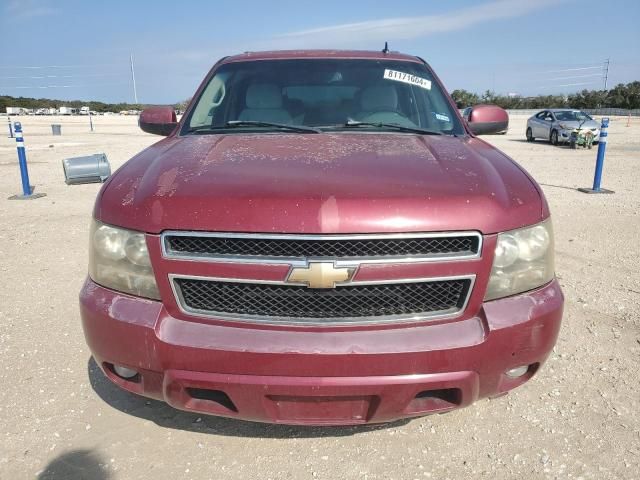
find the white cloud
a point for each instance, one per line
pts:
(353, 35)
(28, 9)
(403, 28)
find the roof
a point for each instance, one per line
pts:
(342, 54)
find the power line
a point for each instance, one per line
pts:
(577, 76)
(572, 69)
(59, 78)
(41, 87)
(538, 77)
(36, 67)
(39, 77)
(568, 85)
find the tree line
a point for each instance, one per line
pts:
(35, 103)
(621, 96)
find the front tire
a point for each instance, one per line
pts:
(554, 138)
(530, 137)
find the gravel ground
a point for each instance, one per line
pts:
(579, 418)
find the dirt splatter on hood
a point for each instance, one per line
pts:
(322, 183)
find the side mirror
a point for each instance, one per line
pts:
(158, 120)
(487, 120)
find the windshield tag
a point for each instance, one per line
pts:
(407, 78)
(442, 118)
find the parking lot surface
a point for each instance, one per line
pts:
(579, 418)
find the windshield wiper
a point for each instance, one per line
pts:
(353, 123)
(284, 126)
(254, 123)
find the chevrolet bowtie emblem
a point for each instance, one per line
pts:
(320, 275)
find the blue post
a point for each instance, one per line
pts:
(602, 146)
(27, 191)
(10, 128)
(22, 160)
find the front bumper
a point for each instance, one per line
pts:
(564, 135)
(315, 376)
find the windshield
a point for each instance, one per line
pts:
(322, 93)
(572, 116)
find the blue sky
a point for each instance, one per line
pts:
(81, 48)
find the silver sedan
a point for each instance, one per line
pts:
(556, 125)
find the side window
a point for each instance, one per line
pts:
(549, 117)
(211, 99)
(541, 115)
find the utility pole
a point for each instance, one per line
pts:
(133, 79)
(606, 73)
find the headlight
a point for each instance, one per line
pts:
(119, 259)
(523, 261)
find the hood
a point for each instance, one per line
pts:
(320, 183)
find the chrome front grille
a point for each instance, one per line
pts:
(355, 303)
(293, 300)
(268, 247)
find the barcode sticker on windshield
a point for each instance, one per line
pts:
(407, 78)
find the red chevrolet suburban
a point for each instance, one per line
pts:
(321, 240)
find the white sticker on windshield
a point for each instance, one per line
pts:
(407, 78)
(441, 117)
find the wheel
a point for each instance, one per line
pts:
(554, 137)
(530, 137)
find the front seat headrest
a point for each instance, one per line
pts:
(264, 96)
(379, 98)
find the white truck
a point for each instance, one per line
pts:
(67, 111)
(15, 111)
